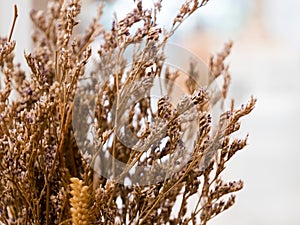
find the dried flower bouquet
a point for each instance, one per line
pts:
(90, 144)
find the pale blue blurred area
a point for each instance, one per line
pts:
(232, 13)
(282, 18)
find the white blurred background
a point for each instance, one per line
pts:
(265, 62)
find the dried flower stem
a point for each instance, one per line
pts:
(14, 22)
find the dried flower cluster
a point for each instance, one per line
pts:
(46, 157)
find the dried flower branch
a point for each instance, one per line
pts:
(14, 23)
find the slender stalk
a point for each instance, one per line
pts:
(14, 22)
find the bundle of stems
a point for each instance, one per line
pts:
(52, 174)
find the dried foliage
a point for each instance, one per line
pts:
(46, 178)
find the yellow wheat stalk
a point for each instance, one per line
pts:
(79, 202)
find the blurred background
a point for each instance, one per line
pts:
(265, 63)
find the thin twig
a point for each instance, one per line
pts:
(14, 22)
(65, 221)
(47, 204)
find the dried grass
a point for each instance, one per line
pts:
(46, 178)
